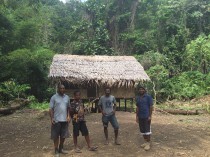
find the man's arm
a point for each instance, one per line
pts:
(71, 110)
(115, 106)
(114, 109)
(137, 112)
(151, 108)
(100, 106)
(68, 112)
(150, 112)
(51, 112)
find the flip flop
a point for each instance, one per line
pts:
(77, 150)
(94, 148)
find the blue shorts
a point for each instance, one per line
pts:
(112, 119)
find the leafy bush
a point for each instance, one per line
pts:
(151, 59)
(187, 85)
(198, 54)
(11, 89)
(158, 75)
(28, 67)
(39, 106)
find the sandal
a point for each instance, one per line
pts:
(94, 148)
(77, 150)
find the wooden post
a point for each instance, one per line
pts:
(155, 95)
(96, 103)
(119, 104)
(89, 104)
(131, 103)
(125, 104)
(56, 87)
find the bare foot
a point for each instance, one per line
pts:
(106, 142)
(117, 142)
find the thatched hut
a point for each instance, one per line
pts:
(91, 74)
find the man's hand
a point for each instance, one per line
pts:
(52, 122)
(149, 118)
(103, 113)
(68, 119)
(137, 119)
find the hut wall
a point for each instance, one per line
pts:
(70, 93)
(121, 92)
(117, 92)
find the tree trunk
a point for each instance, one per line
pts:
(155, 94)
(14, 105)
(179, 111)
(133, 13)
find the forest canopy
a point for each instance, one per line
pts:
(170, 38)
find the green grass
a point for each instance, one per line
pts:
(186, 107)
(163, 106)
(39, 106)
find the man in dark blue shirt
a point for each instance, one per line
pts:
(144, 103)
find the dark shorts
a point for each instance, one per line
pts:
(145, 126)
(60, 129)
(112, 119)
(80, 126)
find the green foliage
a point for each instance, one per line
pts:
(29, 67)
(151, 58)
(169, 38)
(198, 54)
(187, 85)
(34, 104)
(39, 106)
(10, 90)
(158, 75)
(186, 105)
(6, 31)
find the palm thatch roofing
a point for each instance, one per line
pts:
(101, 70)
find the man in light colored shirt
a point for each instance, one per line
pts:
(107, 105)
(60, 118)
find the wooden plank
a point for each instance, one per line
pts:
(119, 104)
(15, 105)
(125, 100)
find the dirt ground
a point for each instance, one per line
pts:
(26, 134)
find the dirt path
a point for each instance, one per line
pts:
(26, 134)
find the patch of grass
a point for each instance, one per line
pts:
(39, 106)
(185, 107)
(207, 107)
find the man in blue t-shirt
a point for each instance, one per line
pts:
(107, 106)
(144, 103)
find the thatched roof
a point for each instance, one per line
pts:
(102, 70)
